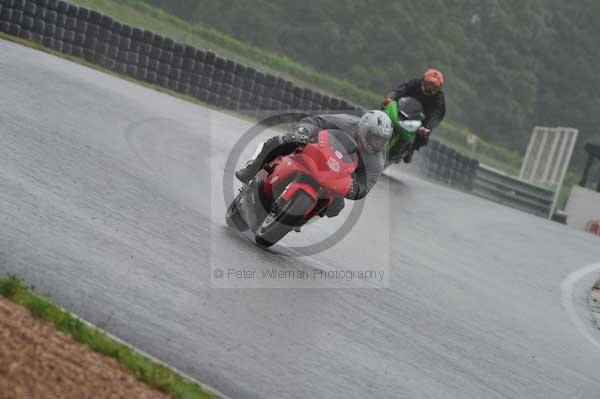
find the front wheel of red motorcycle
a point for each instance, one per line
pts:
(277, 224)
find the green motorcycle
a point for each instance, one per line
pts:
(407, 117)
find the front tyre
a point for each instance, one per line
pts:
(277, 224)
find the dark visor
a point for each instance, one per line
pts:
(376, 142)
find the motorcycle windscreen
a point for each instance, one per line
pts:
(343, 146)
(332, 161)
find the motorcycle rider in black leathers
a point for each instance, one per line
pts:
(428, 91)
(371, 133)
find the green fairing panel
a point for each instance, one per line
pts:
(399, 134)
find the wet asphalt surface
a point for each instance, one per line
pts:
(111, 204)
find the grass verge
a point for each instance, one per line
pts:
(145, 370)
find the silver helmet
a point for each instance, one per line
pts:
(374, 131)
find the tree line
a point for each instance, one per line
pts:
(509, 64)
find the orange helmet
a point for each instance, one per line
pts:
(433, 80)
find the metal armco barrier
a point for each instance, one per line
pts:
(508, 190)
(200, 73)
(442, 163)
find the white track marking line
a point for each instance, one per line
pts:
(567, 299)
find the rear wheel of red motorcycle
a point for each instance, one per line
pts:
(276, 225)
(233, 217)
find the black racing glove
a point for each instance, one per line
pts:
(298, 136)
(422, 138)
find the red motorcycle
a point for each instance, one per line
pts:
(292, 189)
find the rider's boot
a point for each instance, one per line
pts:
(334, 208)
(259, 158)
(268, 150)
(249, 171)
(408, 156)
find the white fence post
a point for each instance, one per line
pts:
(555, 163)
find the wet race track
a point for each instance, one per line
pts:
(111, 203)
